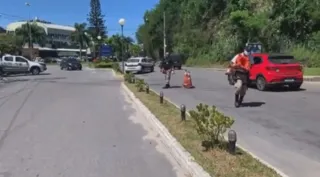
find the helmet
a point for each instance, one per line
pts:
(246, 51)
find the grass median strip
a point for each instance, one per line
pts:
(217, 162)
(312, 71)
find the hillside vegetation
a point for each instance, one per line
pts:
(210, 31)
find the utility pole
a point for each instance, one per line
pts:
(30, 35)
(164, 34)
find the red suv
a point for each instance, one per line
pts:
(269, 70)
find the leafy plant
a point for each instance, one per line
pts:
(116, 67)
(128, 77)
(140, 85)
(103, 64)
(210, 123)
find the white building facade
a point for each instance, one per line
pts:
(58, 36)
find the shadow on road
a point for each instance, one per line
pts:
(12, 80)
(286, 89)
(252, 104)
(19, 75)
(280, 89)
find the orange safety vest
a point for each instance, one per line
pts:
(243, 61)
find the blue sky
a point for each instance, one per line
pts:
(67, 12)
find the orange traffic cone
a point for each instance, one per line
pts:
(187, 81)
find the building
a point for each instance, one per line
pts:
(58, 37)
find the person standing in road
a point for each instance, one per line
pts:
(167, 69)
(241, 66)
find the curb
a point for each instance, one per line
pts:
(238, 144)
(311, 79)
(183, 157)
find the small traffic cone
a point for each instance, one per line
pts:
(187, 81)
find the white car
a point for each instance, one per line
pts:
(139, 65)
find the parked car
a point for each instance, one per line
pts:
(139, 65)
(70, 64)
(274, 70)
(13, 64)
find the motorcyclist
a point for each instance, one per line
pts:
(240, 67)
(167, 69)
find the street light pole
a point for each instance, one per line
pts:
(122, 22)
(30, 36)
(99, 47)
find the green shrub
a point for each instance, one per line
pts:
(128, 77)
(308, 57)
(102, 65)
(140, 85)
(210, 124)
(116, 67)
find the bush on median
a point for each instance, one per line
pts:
(210, 125)
(140, 85)
(103, 65)
(128, 77)
(116, 67)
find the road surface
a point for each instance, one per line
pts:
(76, 124)
(280, 127)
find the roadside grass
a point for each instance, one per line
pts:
(312, 71)
(217, 162)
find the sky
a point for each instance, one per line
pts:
(68, 12)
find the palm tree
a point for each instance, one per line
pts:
(115, 42)
(79, 36)
(38, 34)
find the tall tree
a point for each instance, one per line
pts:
(95, 19)
(10, 44)
(79, 36)
(38, 34)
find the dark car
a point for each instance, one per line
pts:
(70, 64)
(177, 60)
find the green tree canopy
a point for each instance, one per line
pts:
(210, 31)
(10, 43)
(79, 36)
(38, 34)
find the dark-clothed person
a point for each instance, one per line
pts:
(167, 69)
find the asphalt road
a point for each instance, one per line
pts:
(280, 127)
(76, 124)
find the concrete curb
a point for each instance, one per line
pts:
(312, 79)
(226, 137)
(182, 156)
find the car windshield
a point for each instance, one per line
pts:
(72, 61)
(133, 60)
(283, 59)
